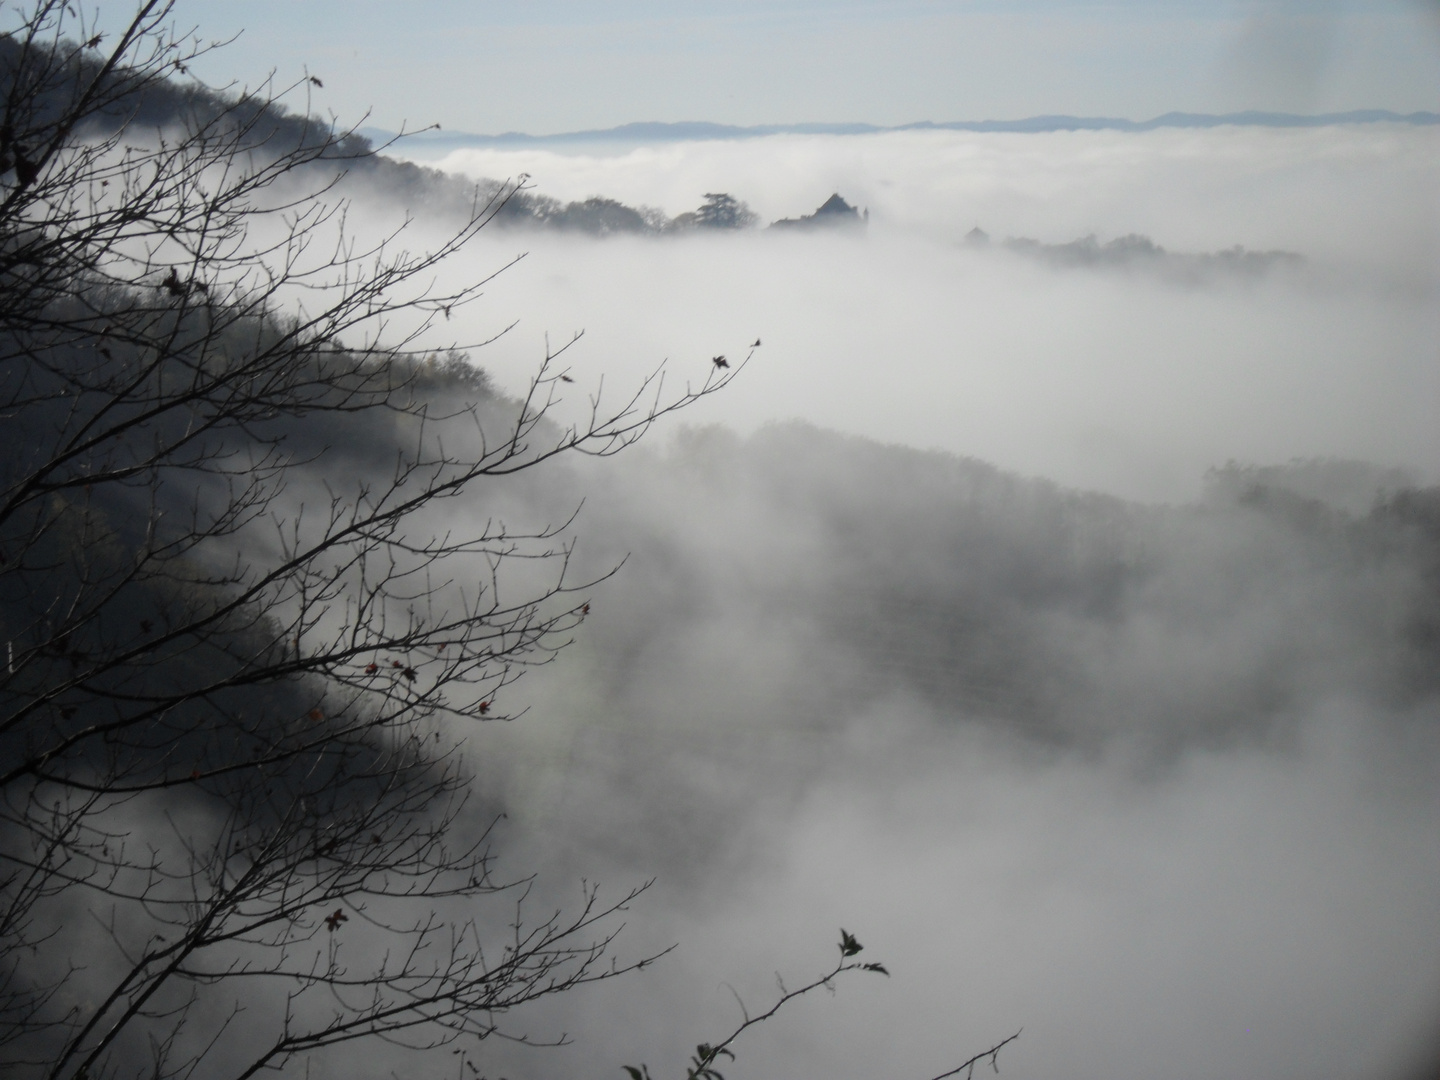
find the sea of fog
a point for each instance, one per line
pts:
(1066, 630)
(1132, 379)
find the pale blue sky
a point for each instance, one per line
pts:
(560, 65)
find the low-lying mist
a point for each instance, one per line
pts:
(1158, 784)
(1065, 627)
(1131, 376)
(1079, 724)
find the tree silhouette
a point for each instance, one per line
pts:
(722, 211)
(718, 211)
(243, 632)
(237, 632)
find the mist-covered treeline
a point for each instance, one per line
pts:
(436, 193)
(273, 128)
(830, 572)
(838, 675)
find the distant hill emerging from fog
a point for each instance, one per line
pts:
(689, 131)
(368, 160)
(1141, 253)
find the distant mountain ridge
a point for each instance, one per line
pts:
(656, 131)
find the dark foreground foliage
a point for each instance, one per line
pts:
(234, 826)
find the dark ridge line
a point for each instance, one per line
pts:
(656, 131)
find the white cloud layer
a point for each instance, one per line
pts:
(1157, 784)
(1127, 382)
(1152, 784)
